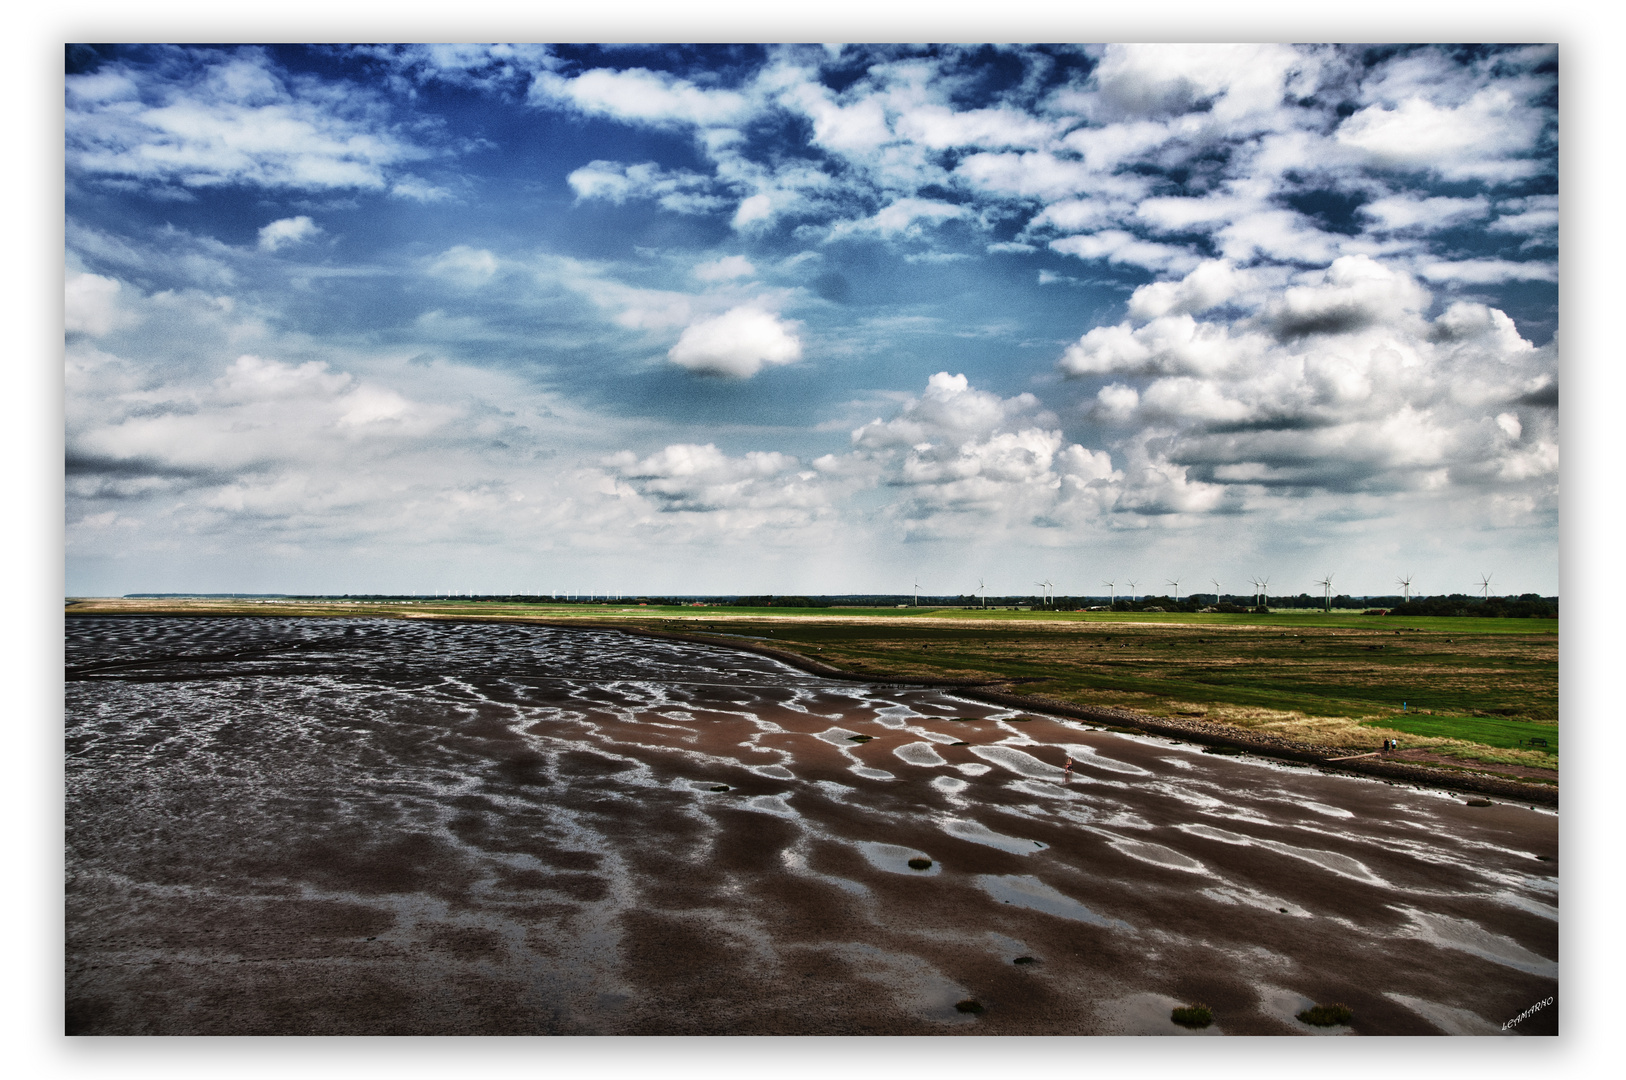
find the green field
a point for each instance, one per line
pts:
(1486, 731)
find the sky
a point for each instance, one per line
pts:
(811, 319)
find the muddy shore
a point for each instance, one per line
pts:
(415, 826)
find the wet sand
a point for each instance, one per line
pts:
(388, 827)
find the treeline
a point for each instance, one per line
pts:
(779, 601)
(1527, 606)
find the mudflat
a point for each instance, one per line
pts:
(377, 826)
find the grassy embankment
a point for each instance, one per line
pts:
(1473, 689)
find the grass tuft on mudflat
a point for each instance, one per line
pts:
(1196, 1015)
(920, 864)
(1327, 1015)
(969, 1005)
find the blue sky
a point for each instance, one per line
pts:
(810, 319)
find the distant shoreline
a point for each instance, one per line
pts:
(989, 690)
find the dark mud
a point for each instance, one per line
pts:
(391, 827)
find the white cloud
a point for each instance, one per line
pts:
(1353, 293)
(1530, 216)
(284, 231)
(1483, 138)
(419, 190)
(739, 343)
(970, 462)
(491, 67)
(90, 305)
(1044, 175)
(234, 118)
(1118, 246)
(1487, 271)
(695, 478)
(1168, 344)
(463, 265)
(754, 209)
(725, 269)
(1407, 212)
(638, 95)
(1338, 384)
(1235, 80)
(940, 127)
(1212, 283)
(902, 217)
(678, 190)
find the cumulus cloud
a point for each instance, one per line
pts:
(284, 231)
(90, 305)
(1307, 244)
(1233, 81)
(1340, 383)
(1213, 282)
(1476, 140)
(965, 459)
(738, 343)
(686, 477)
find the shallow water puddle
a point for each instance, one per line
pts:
(1342, 865)
(1088, 755)
(1157, 855)
(1018, 762)
(1450, 1020)
(1470, 937)
(978, 833)
(1027, 891)
(919, 753)
(894, 858)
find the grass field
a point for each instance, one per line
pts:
(1337, 679)
(1485, 731)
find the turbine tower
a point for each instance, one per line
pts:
(1132, 585)
(982, 590)
(1405, 583)
(1264, 592)
(1045, 585)
(1217, 593)
(917, 592)
(1326, 592)
(1484, 586)
(1176, 583)
(1113, 585)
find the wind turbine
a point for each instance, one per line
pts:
(917, 592)
(1045, 585)
(1264, 592)
(1132, 585)
(1484, 586)
(982, 590)
(1217, 592)
(1326, 586)
(1113, 585)
(1405, 583)
(1176, 583)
